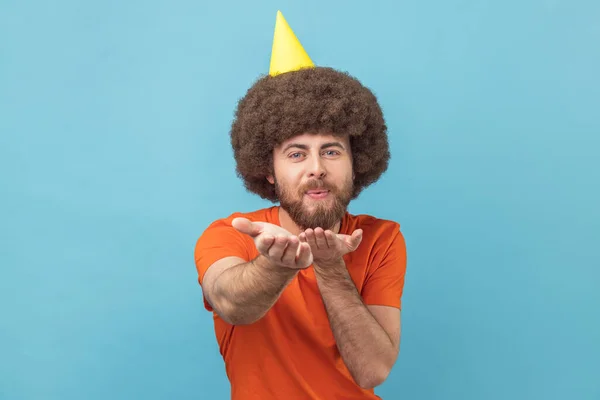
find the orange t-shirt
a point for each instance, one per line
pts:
(291, 352)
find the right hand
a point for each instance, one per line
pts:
(278, 245)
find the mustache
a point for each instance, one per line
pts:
(314, 184)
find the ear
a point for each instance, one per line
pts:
(270, 179)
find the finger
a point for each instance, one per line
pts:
(289, 254)
(246, 226)
(310, 238)
(305, 257)
(302, 237)
(277, 249)
(320, 238)
(301, 245)
(356, 238)
(330, 238)
(264, 243)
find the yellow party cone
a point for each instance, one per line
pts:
(287, 53)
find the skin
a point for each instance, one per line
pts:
(367, 336)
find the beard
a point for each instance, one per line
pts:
(324, 213)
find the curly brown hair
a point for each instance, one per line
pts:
(310, 100)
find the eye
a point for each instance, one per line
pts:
(332, 153)
(295, 155)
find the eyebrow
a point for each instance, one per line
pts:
(305, 147)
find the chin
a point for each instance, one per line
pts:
(314, 203)
(312, 209)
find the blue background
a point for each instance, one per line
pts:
(114, 157)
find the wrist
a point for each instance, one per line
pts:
(331, 269)
(263, 263)
(336, 264)
(334, 277)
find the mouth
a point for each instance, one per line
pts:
(317, 193)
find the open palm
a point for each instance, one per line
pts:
(327, 246)
(278, 245)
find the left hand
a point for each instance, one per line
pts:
(328, 247)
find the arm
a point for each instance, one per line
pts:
(242, 292)
(368, 337)
(368, 350)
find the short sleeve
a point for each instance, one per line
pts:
(384, 286)
(218, 241)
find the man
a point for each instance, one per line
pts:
(306, 297)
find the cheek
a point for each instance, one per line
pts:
(343, 175)
(291, 178)
(289, 184)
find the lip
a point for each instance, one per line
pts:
(317, 194)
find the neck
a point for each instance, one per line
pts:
(289, 225)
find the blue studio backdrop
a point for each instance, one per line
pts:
(114, 156)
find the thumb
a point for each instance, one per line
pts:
(356, 238)
(246, 226)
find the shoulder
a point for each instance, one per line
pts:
(372, 226)
(379, 235)
(220, 233)
(261, 215)
(220, 239)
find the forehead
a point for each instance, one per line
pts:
(315, 140)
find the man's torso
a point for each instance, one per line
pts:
(291, 352)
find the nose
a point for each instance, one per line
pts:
(316, 168)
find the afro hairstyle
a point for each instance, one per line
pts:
(309, 100)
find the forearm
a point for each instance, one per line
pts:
(365, 347)
(244, 293)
